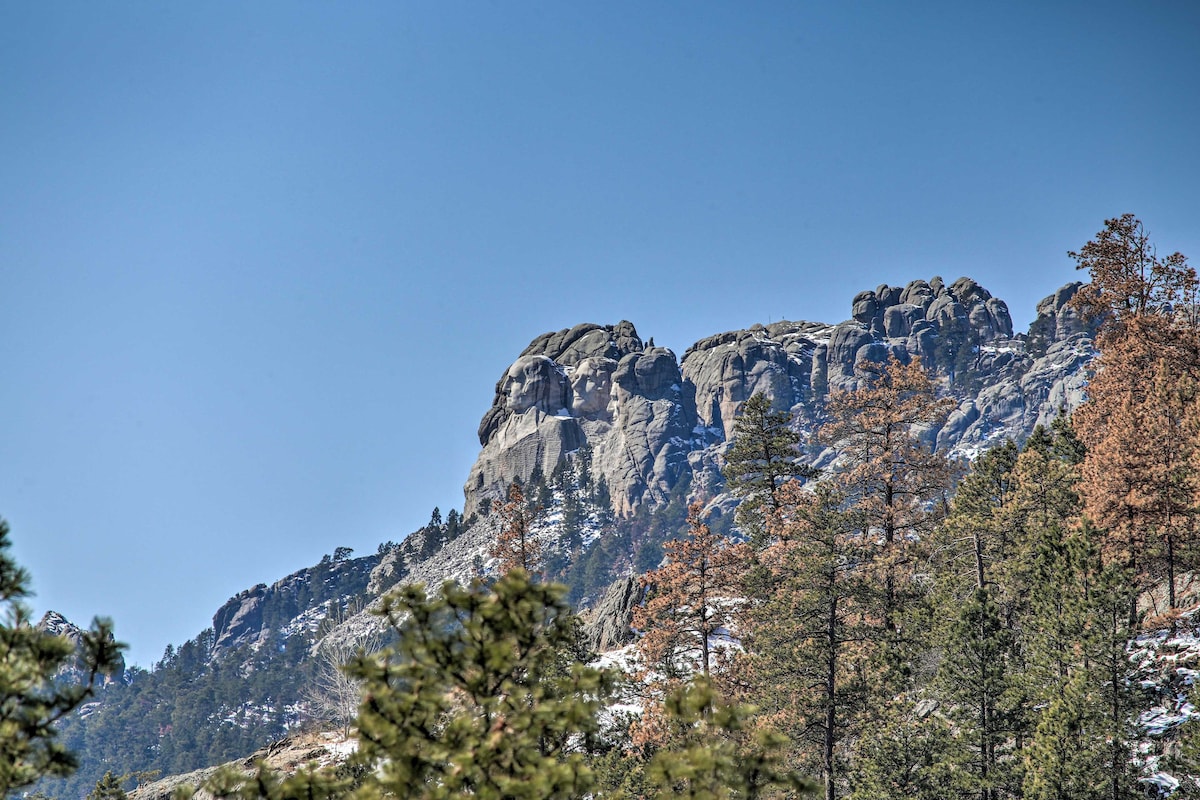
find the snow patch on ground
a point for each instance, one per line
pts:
(1164, 669)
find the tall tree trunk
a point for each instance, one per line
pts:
(830, 695)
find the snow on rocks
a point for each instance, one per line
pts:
(1164, 665)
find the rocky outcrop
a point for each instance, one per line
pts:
(607, 624)
(537, 378)
(589, 384)
(239, 621)
(786, 361)
(288, 756)
(56, 624)
(291, 605)
(651, 420)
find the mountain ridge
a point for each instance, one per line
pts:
(615, 436)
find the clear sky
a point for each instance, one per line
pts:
(262, 263)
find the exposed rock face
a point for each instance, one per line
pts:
(56, 624)
(593, 384)
(251, 616)
(607, 624)
(240, 619)
(288, 756)
(566, 348)
(650, 419)
(784, 361)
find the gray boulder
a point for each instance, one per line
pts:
(898, 320)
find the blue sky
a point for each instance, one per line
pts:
(261, 264)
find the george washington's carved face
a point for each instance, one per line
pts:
(534, 381)
(591, 385)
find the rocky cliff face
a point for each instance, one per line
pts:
(291, 605)
(651, 419)
(56, 624)
(593, 384)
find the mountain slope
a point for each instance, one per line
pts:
(614, 436)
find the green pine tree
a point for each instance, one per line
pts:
(107, 788)
(763, 455)
(809, 632)
(978, 607)
(473, 700)
(975, 680)
(905, 755)
(31, 700)
(714, 755)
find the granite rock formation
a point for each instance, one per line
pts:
(607, 623)
(291, 605)
(593, 384)
(651, 419)
(56, 624)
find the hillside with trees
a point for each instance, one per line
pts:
(842, 597)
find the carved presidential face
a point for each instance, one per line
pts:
(534, 381)
(591, 385)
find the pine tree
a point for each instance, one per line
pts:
(1063, 761)
(896, 483)
(980, 599)
(107, 788)
(974, 543)
(465, 701)
(1140, 481)
(713, 756)
(516, 547)
(1128, 279)
(906, 755)
(809, 636)
(688, 598)
(976, 678)
(473, 700)
(763, 455)
(32, 701)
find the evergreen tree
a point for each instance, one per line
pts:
(980, 603)
(1076, 673)
(905, 755)
(465, 703)
(603, 498)
(32, 700)
(1140, 478)
(1063, 761)
(107, 788)
(896, 483)
(809, 635)
(473, 700)
(976, 678)
(762, 456)
(516, 547)
(688, 598)
(711, 757)
(1128, 279)
(977, 540)
(583, 469)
